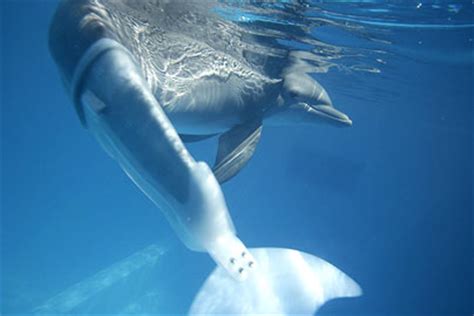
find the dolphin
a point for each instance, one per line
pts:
(205, 86)
(146, 75)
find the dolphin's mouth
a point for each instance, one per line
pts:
(329, 112)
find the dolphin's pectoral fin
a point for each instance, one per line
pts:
(236, 147)
(187, 138)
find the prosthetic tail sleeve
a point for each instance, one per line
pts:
(118, 107)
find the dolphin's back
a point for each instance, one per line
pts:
(177, 44)
(181, 44)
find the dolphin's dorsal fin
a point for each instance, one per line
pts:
(236, 147)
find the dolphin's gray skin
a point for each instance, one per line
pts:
(196, 66)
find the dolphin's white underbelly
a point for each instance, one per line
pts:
(209, 106)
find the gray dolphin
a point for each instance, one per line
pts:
(195, 65)
(141, 73)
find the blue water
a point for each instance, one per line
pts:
(388, 201)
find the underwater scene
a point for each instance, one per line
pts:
(236, 157)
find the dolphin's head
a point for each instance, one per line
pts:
(303, 100)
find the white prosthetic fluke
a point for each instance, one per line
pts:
(287, 282)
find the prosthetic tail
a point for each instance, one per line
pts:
(116, 105)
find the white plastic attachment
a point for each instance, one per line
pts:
(208, 222)
(230, 253)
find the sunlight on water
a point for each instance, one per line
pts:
(90, 295)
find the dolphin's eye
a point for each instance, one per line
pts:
(293, 94)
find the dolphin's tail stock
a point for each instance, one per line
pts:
(285, 282)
